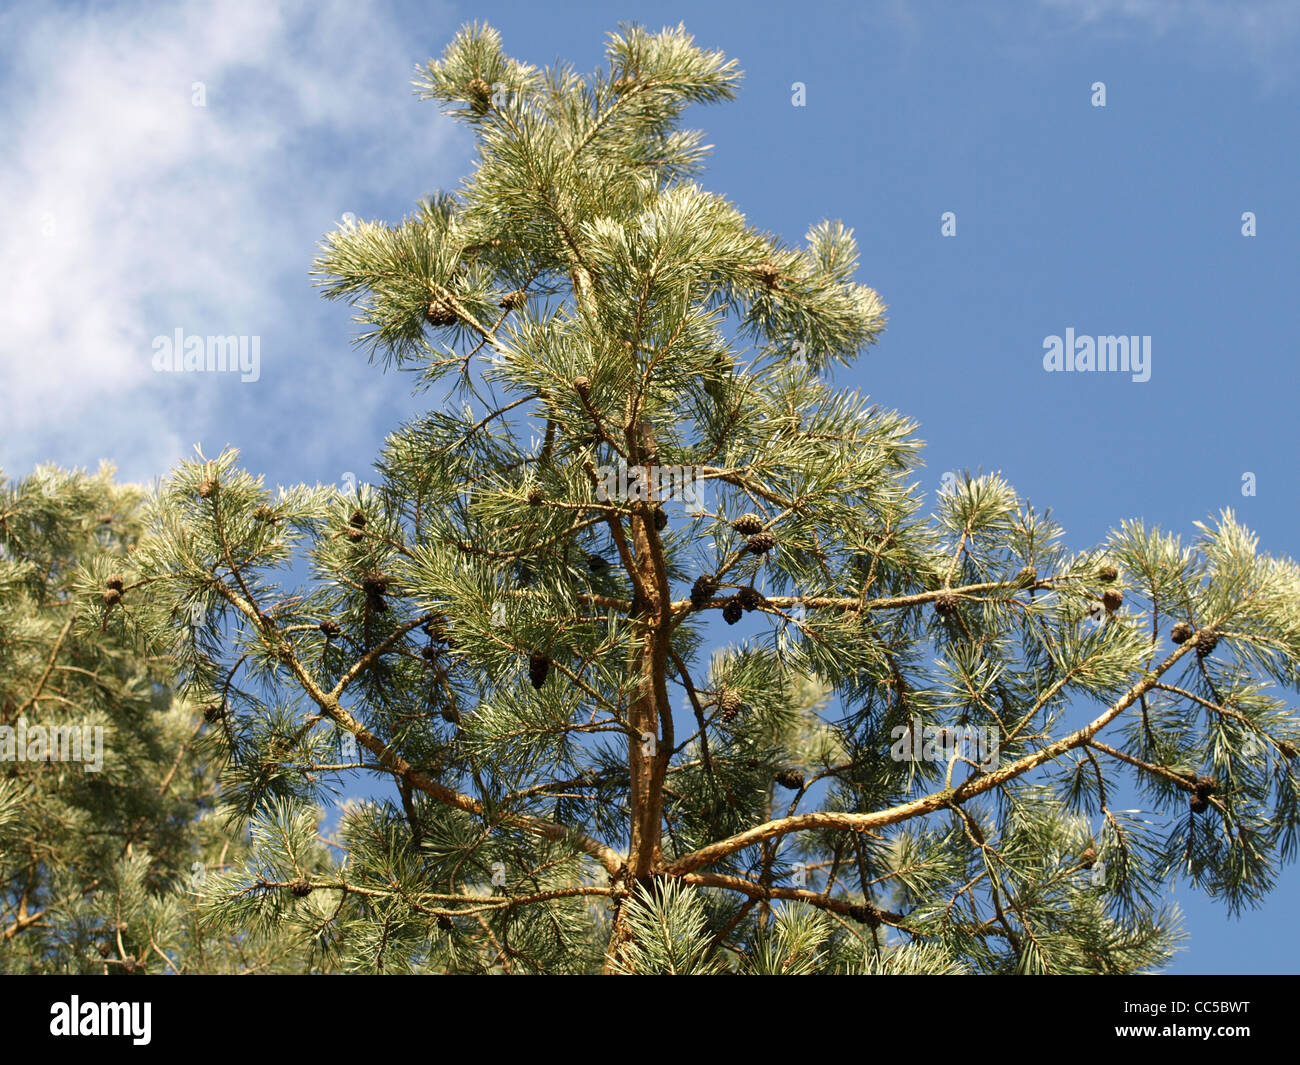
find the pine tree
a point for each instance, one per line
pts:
(501, 639)
(108, 826)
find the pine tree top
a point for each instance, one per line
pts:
(522, 628)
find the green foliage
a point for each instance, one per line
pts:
(521, 669)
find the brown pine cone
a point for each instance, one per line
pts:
(789, 778)
(768, 273)
(440, 314)
(702, 590)
(1206, 641)
(480, 94)
(945, 605)
(539, 666)
(866, 915)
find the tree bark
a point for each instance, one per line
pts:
(648, 749)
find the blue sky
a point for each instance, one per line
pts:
(134, 213)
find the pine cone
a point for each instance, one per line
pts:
(866, 915)
(263, 513)
(300, 887)
(375, 584)
(1027, 576)
(1111, 600)
(480, 93)
(1205, 787)
(450, 714)
(749, 599)
(440, 314)
(748, 524)
(731, 613)
(597, 563)
(103, 950)
(512, 300)
(111, 597)
(768, 273)
(329, 628)
(1089, 857)
(1287, 749)
(789, 778)
(1206, 641)
(729, 704)
(436, 630)
(535, 497)
(1107, 574)
(582, 385)
(214, 713)
(702, 590)
(208, 487)
(946, 604)
(539, 665)
(1181, 633)
(660, 519)
(444, 922)
(114, 582)
(760, 543)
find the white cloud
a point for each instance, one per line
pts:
(133, 212)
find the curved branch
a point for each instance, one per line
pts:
(969, 789)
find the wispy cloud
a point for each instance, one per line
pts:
(1263, 32)
(134, 212)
